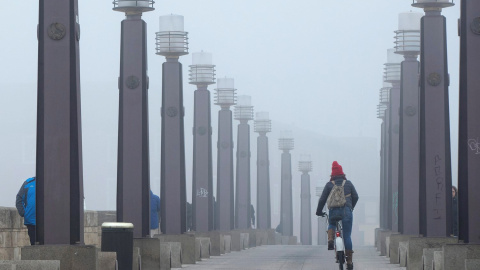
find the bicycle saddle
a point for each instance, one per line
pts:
(336, 218)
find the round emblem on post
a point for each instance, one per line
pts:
(172, 111)
(132, 82)
(224, 145)
(434, 79)
(410, 111)
(243, 154)
(201, 131)
(56, 31)
(475, 26)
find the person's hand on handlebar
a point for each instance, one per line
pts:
(322, 214)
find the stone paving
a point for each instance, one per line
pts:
(292, 258)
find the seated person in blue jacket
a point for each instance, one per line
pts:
(25, 204)
(154, 213)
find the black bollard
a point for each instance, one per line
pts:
(118, 237)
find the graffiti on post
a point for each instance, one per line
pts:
(474, 145)
(439, 181)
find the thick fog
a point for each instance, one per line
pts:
(315, 66)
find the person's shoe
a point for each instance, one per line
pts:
(331, 237)
(349, 254)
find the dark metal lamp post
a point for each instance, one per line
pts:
(305, 166)
(407, 43)
(243, 113)
(263, 125)
(133, 167)
(202, 74)
(435, 154)
(172, 43)
(286, 143)
(392, 75)
(225, 97)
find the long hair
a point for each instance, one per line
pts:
(333, 177)
(456, 191)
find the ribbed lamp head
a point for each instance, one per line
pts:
(263, 124)
(133, 7)
(433, 4)
(407, 38)
(381, 108)
(385, 93)
(285, 142)
(305, 163)
(172, 40)
(225, 93)
(244, 108)
(393, 67)
(202, 71)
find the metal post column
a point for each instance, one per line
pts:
(435, 160)
(133, 167)
(469, 125)
(59, 141)
(306, 210)
(263, 183)
(409, 149)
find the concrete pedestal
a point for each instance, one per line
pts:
(402, 253)
(236, 240)
(472, 264)
(262, 237)
(427, 257)
(198, 249)
(416, 246)
(278, 239)
(205, 247)
(271, 236)
(106, 260)
(293, 240)
(228, 243)
(395, 239)
(245, 239)
(188, 245)
(175, 253)
(252, 237)
(438, 260)
(154, 256)
(32, 265)
(454, 255)
(217, 242)
(70, 257)
(383, 241)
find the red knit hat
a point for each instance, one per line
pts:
(336, 169)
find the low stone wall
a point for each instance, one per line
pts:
(13, 234)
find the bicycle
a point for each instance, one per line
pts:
(339, 245)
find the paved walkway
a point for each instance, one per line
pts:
(292, 258)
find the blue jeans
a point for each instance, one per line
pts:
(347, 222)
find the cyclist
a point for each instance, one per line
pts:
(337, 178)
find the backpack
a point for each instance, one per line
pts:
(337, 197)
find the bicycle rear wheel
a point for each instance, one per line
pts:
(340, 259)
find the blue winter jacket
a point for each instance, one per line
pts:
(154, 209)
(25, 202)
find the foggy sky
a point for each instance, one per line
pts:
(315, 66)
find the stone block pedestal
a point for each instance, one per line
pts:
(70, 257)
(189, 252)
(155, 255)
(394, 246)
(416, 246)
(31, 265)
